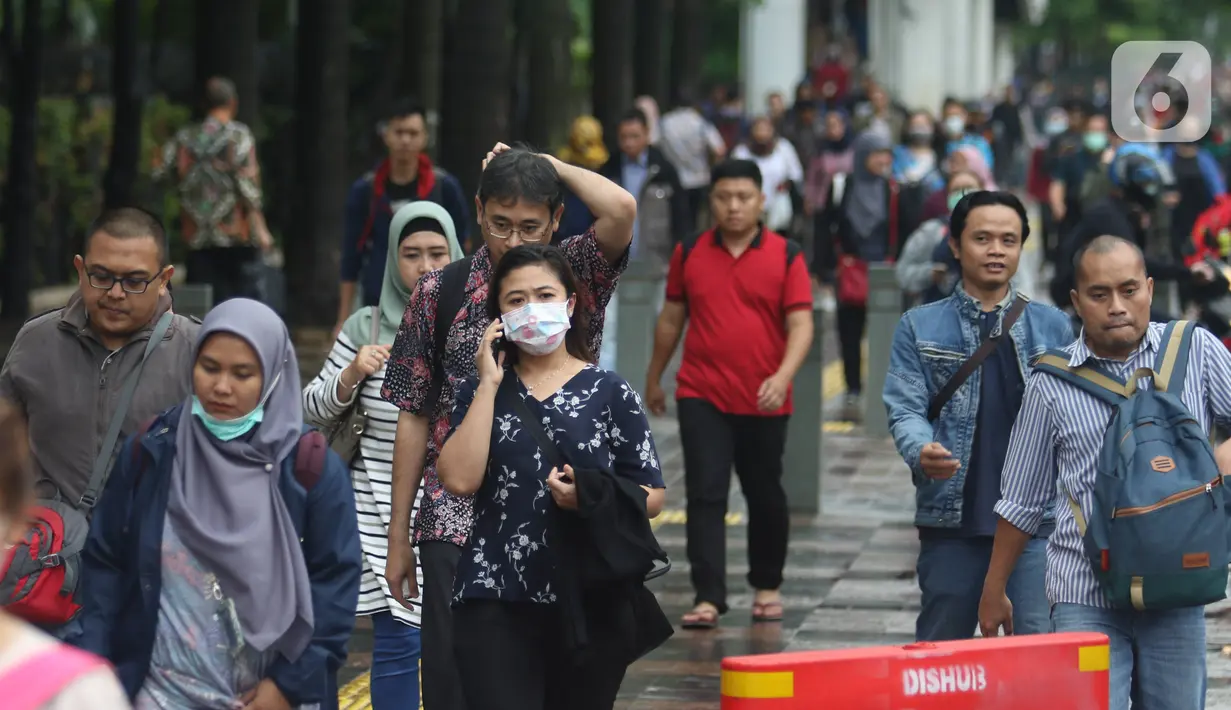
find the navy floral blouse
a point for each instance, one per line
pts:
(597, 420)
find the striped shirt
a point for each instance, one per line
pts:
(1056, 441)
(371, 475)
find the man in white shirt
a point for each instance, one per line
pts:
(692, 144)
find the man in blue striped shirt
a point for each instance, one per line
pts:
(1054, 451)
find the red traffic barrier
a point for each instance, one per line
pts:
(1053, 671)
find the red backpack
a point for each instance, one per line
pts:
(40, 573)
(38, 580)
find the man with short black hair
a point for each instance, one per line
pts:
(952, 428)
(406, 174)
(639, 167)
(520, 200)
(67, 367)
(692, 144)
(748, 294)
(213, 167)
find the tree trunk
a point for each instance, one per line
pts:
(321, 54)
(26, 68)
(422, 52)
(549, 72)
(611, 64)
(650, 64)
(476, 88)
(687, 48)
(121, 177)
(227, 41)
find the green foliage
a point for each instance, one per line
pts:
(74, 143)
(1096, 27)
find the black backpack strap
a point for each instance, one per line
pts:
(686, 246)
(793, 251)
(986, 348)
(310, 458)
(453, 280)
(507, 395)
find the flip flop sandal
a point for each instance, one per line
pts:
(765, 612)
(700, 620)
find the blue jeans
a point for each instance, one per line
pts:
(951, 572)
(1164, 650)
(395, 663)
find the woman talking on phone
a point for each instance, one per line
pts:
(508, 623)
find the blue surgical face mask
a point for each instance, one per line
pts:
(228, 429)
(1094, 141)
(1056, 126)
(956, 197)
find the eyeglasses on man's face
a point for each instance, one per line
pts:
(530, 233)
(104, 280)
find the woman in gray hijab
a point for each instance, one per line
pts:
(222, 568)
(854, 231)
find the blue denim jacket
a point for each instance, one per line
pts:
(930, 344)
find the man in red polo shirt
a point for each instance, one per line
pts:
(749, 297)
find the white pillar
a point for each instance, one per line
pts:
(957, 55)
(773, 49)
(982, 35)
(922, 35)
(1005, 61)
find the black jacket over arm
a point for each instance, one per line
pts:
(606, 549)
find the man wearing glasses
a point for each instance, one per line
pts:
(67, 368)
(520, 201)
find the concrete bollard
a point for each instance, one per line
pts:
(802, 460)
(638, 296)
(192, 299)
(884, 312)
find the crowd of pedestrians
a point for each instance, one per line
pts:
(468, 469)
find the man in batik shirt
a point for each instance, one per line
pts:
(520, 200)
(214, 169)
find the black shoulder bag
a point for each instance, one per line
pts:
(986, 348)
(453, 280)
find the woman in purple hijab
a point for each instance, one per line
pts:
(223, 564)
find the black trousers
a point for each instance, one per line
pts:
(713, 442)
(442, 686)
(227, 269)
(511, 656)
(852, 320)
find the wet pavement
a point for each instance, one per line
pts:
(850, 582)
(849, 579)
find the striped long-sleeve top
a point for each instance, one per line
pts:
(371, 474)
(1055, 444)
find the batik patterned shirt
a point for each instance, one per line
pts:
(214, 169)
(408, 378)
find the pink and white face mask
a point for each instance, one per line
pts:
(537, 328)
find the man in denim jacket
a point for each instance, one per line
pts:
(955, 461)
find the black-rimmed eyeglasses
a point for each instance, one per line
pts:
(105, 281)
